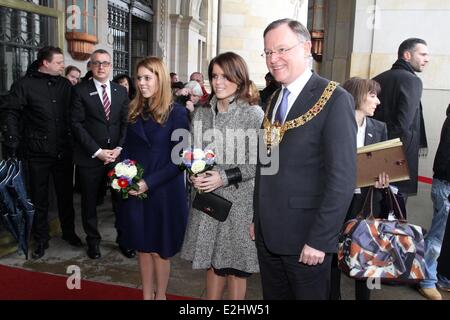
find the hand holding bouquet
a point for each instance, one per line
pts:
(125, 177)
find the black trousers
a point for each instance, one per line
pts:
(92, 182)
(284, 278)
(39, 171)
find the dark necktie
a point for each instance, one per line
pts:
(106, 102)
(282, 108)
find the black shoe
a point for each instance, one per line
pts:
(73, 240)
(39, 251)
(129, 253)
(93, 251)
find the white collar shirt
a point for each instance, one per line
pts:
(98, 86)
(295, 88)
(360, 137)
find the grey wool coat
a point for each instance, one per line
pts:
(227, 244)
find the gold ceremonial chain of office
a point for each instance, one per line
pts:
(273, 133)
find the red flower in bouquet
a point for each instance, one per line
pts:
(122, 182)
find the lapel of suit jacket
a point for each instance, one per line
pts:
(369, 139)
(305, 100)
(96, 99)
(115, 106)
(272, 104)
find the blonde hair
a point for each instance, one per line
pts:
(160, 104)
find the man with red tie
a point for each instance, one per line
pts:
(99, 121)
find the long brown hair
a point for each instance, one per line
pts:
(236, 71)
(359, 88)
(159, 105)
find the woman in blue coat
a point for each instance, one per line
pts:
(155, 226)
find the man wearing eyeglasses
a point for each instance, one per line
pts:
(299, 210)
(99, 121)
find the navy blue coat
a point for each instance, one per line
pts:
(156, 224)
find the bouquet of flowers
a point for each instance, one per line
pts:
(124, 177)
(195, 160)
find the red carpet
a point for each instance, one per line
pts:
(19, 284)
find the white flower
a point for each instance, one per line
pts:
(120, 169)
(115, 185)
(130, 172)
(198, 166)
(127, 171)
(198, 154)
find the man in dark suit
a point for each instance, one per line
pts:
(99, 121)
(299, 210)
(401, 109)
(37, 127)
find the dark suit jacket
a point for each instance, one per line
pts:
(90, 128)
(376, 131)
(400, 109)
(441, 164)
(306, 201)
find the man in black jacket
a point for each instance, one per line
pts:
(440, 192)
(401, 109)
(36, 117)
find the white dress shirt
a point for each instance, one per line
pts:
(360, 137)
(294, 88)
(98, 86)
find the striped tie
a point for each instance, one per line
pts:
(106, 103)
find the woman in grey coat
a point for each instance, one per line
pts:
(229, 126)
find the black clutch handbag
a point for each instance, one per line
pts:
(213, 205)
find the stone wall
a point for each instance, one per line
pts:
(243, 23)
